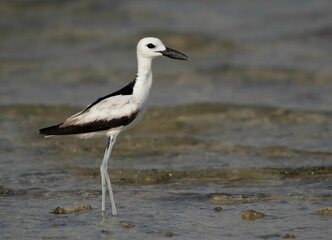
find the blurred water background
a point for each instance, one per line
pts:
(246, 124)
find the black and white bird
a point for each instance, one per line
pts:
(118, 111)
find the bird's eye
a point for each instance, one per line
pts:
(150, 45)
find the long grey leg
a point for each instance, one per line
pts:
(105, 177)
(103, 180)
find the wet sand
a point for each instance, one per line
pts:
(236, 143)
(170, 173)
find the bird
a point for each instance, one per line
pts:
(108, 116)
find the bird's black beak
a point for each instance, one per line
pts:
(171, 53)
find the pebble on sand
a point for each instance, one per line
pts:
(251, 215)
(60, 210)
(218, 197)
(6, 191)
(287, 235)
(169, 234)
(325, 211)
(217, 209)
(126, 224)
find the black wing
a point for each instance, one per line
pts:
(95, 126)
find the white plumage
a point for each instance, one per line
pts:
(110, 108)
(118, 111)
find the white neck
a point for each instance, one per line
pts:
(143, 80)
(144, 66)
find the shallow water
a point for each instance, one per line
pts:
(246, 124)
(169, 175)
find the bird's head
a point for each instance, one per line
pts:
(151, 47)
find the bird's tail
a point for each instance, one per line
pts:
(53, 130)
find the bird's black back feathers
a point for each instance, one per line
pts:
(99, 125)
